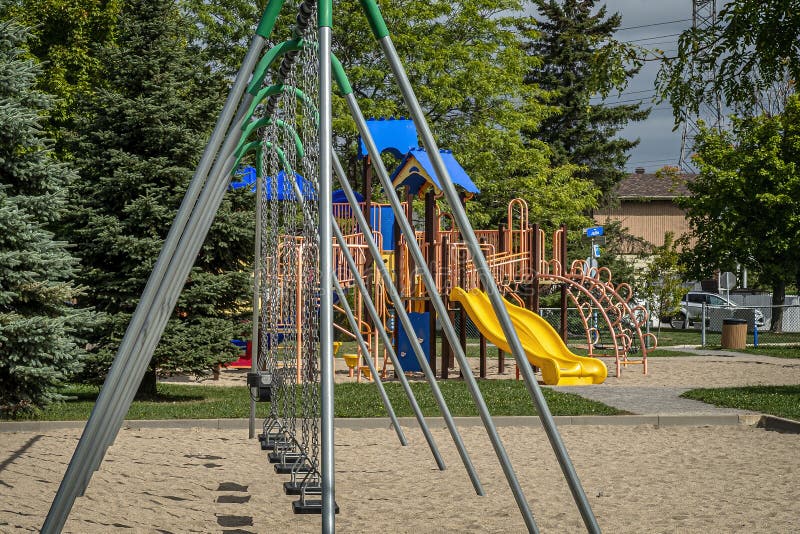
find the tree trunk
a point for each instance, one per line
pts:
(147, 387)
(778, 296)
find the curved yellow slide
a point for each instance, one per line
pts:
(543, 346)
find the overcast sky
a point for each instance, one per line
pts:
(650, 23)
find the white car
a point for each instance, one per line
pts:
(692, 306)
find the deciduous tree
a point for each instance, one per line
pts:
(66, 36)
(750, 57)
(661, 283)
(743, 205)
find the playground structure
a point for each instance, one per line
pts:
(284, 97)
(515, 253)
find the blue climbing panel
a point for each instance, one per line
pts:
(421, 324)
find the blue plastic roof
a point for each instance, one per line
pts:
(338, 197)
(246, 175)
(416, 171)
(395, 135)
(283, 190)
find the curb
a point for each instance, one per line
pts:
(767, 422)
(779, 424)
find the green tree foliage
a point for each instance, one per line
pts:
(38, 345)
(223, 30)
(661, 283)
(66, 35)
(137, 143)
(580, 59)
(743, 206)
(467, 67)
(620, 252)
(752, 52)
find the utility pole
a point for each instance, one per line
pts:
(704, 16)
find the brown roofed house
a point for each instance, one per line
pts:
(647, 206)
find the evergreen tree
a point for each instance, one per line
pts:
(138, 143)
(38, 347)
(581, 60)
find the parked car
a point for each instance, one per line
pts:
(692, 307)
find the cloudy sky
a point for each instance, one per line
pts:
(652, 24)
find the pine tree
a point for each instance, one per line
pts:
(581, 60)
(38, 345)
(137, 146)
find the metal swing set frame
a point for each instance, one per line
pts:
(190, 228)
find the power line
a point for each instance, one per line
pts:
(654, 37)
(627, 100)
(654, 24)
(670, 42)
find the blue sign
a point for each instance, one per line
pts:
(596, 251)
(594, 231)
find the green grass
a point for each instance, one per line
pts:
(781, 401)
(668, 337)
(176, 401)
(503, 397)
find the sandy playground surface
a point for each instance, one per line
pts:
(637, 478)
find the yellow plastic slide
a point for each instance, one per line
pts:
(543, 346)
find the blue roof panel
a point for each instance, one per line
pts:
(283, 189)
(416, 170)
(395, 135)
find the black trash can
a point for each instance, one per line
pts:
(734, 333)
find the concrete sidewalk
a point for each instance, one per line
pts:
(648, 400)
(664, 400)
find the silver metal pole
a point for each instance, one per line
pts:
(402, 316)
(703, 330)
(131, 378)
(387, 342)
(93, 434)
(188, 207)
(174, 280)
(441, 310)
(494, 294)
(326, 282)
(172, 284)
(348, 311)
(251, 429)
(365, 350)
(372, 310)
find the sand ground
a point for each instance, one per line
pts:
(683, 479)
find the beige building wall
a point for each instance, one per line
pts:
(649, 219)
